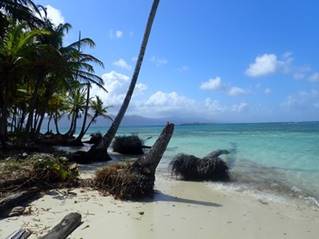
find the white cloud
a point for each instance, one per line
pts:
(119, 34)
(243, 106)
(263, 65)
(117, 85)
(212, 84)
(217, 84)
(116, 34)
(158, 61)
(172, 99)
(53, 14)
(236, 91)
(303, 100)
(122, 64)
(214, 105)
(267, 91)
(314, 77)
(140, 87)
(267, 64)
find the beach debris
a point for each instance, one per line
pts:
(141, 213)
(16, 211)
(131, 145)
(17, 199)
(62, 230)
(134, 180)
(20, 234)
(95, 139)
(211, 167)
(37, 170)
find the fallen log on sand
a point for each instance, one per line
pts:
(17, 199)
(62, 230)
(211, 167)
(20, 234)
(135, 180)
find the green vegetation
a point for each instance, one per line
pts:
(40, 170)
(40, 77)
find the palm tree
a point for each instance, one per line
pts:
(99, 111)
(22, 10)
(101, 150)
(77, 102)
(17, 51)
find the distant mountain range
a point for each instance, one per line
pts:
(134, 120)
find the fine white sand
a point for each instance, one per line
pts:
(178, 210)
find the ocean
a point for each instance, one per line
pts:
(276, 157)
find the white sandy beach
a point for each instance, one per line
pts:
(178, 210)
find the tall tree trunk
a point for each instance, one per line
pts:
(40, 123)
(3, 125)
(89, 124)
(3, 114)
(108, 137)
(56, 125)
(49, 121)
(82, 132)
(73, 130)
(33, 103)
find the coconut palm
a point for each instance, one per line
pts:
(17, 52)
(25, 11)
(101, 150)
(99, 110)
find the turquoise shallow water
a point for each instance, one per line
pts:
(282, 156)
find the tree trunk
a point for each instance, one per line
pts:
(136, 180)
(49, 121)
(108, 137)
(68, 224)
(6, 204)
(3, 126)
(76, 116)
(151, 160)
(33, 103)
(82, 132)
(40, 123)
(56, 124)
(20, 124)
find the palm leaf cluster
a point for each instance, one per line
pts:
(41, 77)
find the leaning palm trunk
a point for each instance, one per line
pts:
(135, 180)
(108, 137)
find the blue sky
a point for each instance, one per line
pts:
(208, 60)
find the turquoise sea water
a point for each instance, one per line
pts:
(279, 156)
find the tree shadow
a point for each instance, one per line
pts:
(162, 197)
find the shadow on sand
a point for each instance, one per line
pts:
(162, 197)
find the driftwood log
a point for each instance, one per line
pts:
(17, 199)
(62, 230)
(20, 234)
(135, 180)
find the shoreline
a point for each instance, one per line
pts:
(179, 209)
